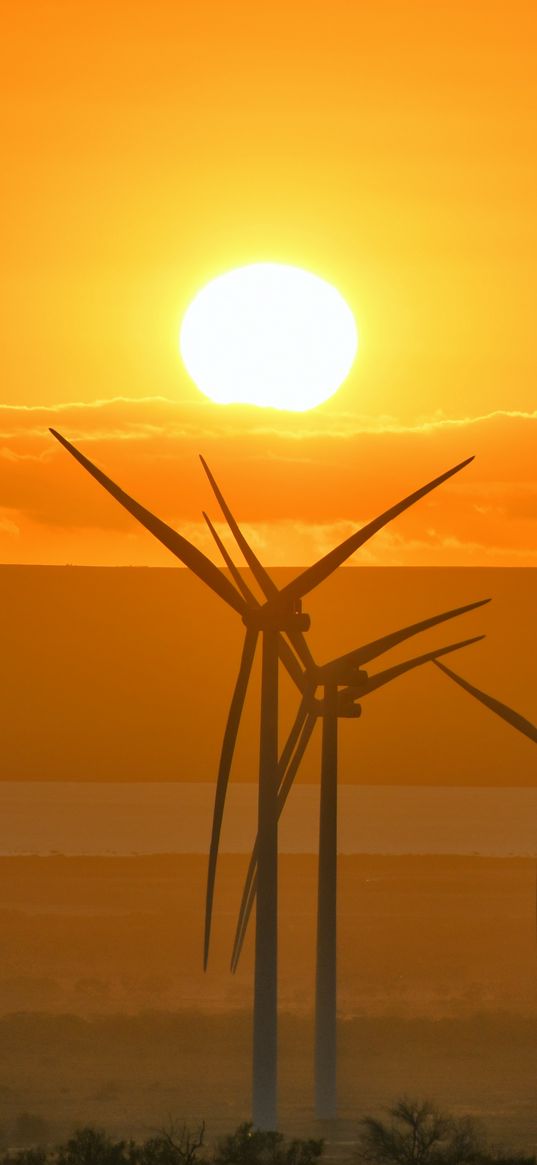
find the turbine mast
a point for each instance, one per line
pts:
(326, 974)
(265, 1021)
(265, 1034)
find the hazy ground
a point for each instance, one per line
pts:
(116, 1022)
(130, 1074)
(105, 1014)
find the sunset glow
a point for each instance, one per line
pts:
(383, 148)
(271, 335)
(269, 702)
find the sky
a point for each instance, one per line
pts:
(126, 676)
(388, 147)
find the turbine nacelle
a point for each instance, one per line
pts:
(274, 616)
(346, 708)
(344, 672)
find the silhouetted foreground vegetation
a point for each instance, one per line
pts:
(176, 1145)
(415, 1133)
(419, 1133)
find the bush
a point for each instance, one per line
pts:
(27, 1157)
(90, 1146)
(249, 1146)
(173, 1146)
(418, 1133)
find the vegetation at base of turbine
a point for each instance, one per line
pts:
(419, 1133)
(174, 1145)
(502, 710)
(250, 1146)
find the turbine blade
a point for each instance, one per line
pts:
(224, 770)
(261, 575)
(291, 664)
(235, 573)
(508, 714)
(289, 661)
(380, 646)
(247, 903)
(391, 673)
(268, 586)
(313, 575)
(293, 738)
(250, 885)
(197, 562)
(292, 769)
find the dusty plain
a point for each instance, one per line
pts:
(107, 1017)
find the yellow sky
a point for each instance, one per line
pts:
(389, 147)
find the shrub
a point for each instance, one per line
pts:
(175, 1145)
(418, 1133)
(36, 1156)
(249, 1146)
(91, 1146)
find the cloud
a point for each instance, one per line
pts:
(299, 482)
(8, 526)
(125, 418)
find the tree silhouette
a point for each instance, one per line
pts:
(419, 1133)
(249, 1146)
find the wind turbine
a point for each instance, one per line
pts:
(342, 673)
(345, 671)
(280, 614)
(332, 707)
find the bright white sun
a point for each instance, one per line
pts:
(269, 335)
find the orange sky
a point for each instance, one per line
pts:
(389, 147)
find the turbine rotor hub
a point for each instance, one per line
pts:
(272, 617)
(346, 708)
(343, 673)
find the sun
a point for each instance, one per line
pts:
(268, 334)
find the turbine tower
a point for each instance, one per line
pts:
(342, 681)
(336, 704)
(279, 614)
